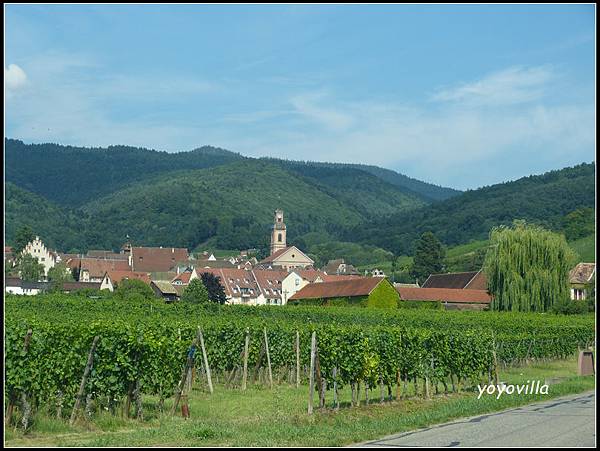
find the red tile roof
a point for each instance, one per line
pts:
(450, 280)
(116, 276)
(273, 256)
(157, 259)
(336, 277)
(582, 273)
(358, 286)
(309, 274)
(479, 282)
(270, 290)
(444, 294)
(184, 277)
(98, 267)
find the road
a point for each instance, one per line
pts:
(567, 421)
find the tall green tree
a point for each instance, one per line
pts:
(23, 236)
(133, 289)
(527, 268)
(58, 275)
(195, 293)
(30, 269)
(579, 223)
(216, 292)
(429, 257)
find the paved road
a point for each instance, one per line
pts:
(567, 421)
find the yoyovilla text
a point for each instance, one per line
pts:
(530, 388)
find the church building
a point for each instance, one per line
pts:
(283, 256)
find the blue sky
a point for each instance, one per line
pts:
(462, 96)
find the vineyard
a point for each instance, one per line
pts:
(142, 348)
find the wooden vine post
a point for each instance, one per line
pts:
(336, 403)
(268, 358)
(311, 375)
(206, 367)
(86, 373)
(319, 378)
(184, 374)
(246, 345)
(297, 359)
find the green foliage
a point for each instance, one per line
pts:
(352, 253)
(195, 293)
(429, 257)
(23, 237)
(542, 199)
(585, 248)
(214, 288)
(59, 274)
(421, 305)
(29, 268)
(137, 342)
(527, 268)
(383, 296)
(571, 307)
(134, 290)
(579, 223)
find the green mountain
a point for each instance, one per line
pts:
(78, 198)
(544, 199)
(59, 228)
(73, 176)
(426, 192)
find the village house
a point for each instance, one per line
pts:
(165, 290)
(583, 281)
(15, 285)
(94, 269)
(471, 280)
(36, 248)
(340, 267)
(360, 291)
(156, 259)
(451, 298)
(185, 277)
(116, 276)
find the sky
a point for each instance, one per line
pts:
(457, 95)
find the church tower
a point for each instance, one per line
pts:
(278, 233)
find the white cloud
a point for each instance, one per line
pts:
(511, 86)
(332, 119)
(14, 78)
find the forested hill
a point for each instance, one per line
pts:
(410, 186)
(231, 205)
(544, 199)
(72, 176)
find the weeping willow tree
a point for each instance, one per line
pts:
(527, 268)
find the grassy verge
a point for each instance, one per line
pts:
(262, 417)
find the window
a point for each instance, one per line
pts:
(279, 237)
(297, 282)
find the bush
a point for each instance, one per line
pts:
(570, 307)
(133, 289)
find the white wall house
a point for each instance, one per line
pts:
(290, 285)
(37, 249)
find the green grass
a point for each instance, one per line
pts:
(263, 417)
(586, 248)
(464, 249)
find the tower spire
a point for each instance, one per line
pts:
(278, 240)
